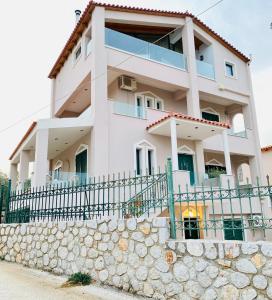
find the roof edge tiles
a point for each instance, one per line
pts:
(86, 16)
(189, 118)
(32, 126)
(267, 148)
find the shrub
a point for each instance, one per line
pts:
(80, 278)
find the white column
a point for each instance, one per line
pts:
(13, 175)
(200, 161)
(24, 167)
(226, 152)
(41, 158)
(257, 166)
(193, 106)
(99, 161)
(174, 146)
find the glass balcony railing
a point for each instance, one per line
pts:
(242, 134)
(129, 110)
(60, 178)
(205, 69)
(144, 49)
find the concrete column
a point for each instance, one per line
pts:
(193, 106)
(24, 167)
(99, 95)
(13, 175)
(200, 161)
(226, 152)
(256, 166)
(174, 146)
(41, 158)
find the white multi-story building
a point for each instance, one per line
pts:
(135, 86)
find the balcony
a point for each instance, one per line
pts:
(204, 69)
(144, 49)
(60, 178)
(129, 110)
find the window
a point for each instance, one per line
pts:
(139, 107)
(145, 158)
(149, 102)
(150, 161)
(229, 69)
(138, 161)
(210, 116)
(233, 229)
(78, 52)
(159, 105)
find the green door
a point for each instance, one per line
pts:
(81, 165)
(233, 229)
(210, 116)
(185, 162)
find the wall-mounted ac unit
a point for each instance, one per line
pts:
(127, 83)
(255, 221)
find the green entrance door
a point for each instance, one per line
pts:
(233, 229)
(185, 162)
(81, 165)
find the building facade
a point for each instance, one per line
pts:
(133, 87)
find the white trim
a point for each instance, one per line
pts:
(226, 61)
(214, 162)
(58, 164)
(80, 149)
(144, 145)
(154, 98)
(210, 110)
(184, 149)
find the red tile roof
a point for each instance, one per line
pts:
(267, 148)
(32, 126)
(186, 117)
(86, 16)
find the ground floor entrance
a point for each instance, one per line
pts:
(186, 162)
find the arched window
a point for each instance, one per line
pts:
(144, 158)
(238, 123)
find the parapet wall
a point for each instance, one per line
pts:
(136, 255)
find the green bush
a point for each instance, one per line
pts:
(80, 278)
(2, 258)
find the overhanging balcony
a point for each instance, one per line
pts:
(143, 49)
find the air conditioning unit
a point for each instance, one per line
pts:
(127, 83)
(255, 221)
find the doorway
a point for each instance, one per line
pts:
(81, 165)
(186, 162)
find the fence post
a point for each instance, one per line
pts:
(171, 201)
(1, 201)
(7, 201)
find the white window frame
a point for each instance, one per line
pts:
(154, 99)
(87, 40)
(233, 68)
(214, 162)
(79, 45)
(79, 150)
(210, 110)
(144, 146)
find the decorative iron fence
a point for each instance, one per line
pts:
(122, 197)
(243, 212)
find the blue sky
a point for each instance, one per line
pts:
(38, 30)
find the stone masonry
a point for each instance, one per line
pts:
(136, 255)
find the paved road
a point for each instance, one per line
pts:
(18, 282)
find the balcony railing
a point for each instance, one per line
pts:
(62, 178)
(129, 110)
(144, 49)
(242, 134)
(204, 69)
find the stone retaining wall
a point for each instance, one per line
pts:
(136, 255)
